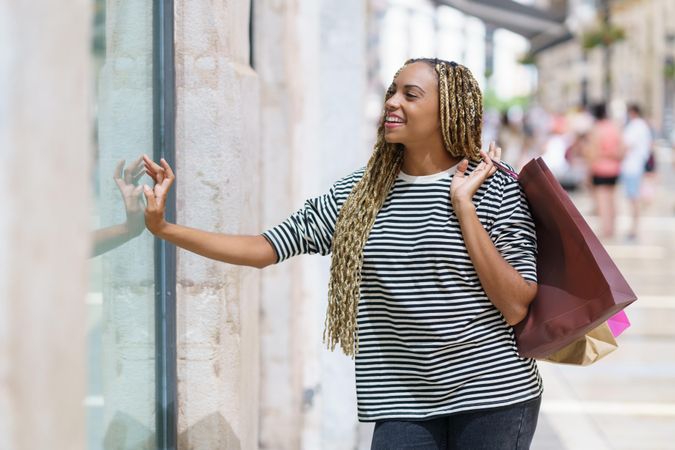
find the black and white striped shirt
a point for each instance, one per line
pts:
(430, 341)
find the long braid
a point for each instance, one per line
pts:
(352, 228)
(461, 118)
(444, 105)
(460, 109)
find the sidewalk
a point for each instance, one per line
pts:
(627, 400)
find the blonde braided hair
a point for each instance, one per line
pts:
(460, 107)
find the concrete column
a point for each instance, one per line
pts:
(311, 60)
(343, 126)
(218, 179)
(282, 33)
(45, 127)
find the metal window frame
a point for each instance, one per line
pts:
(164, 140)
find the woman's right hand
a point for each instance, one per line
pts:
(156, 196)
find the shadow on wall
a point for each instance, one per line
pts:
(212, 432)
(127, 433)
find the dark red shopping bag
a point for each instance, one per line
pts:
(580, 287)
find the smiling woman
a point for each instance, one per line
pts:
(433, 259)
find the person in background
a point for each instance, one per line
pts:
(510, 137)
(637, 138)
(603, 151)
(555, 148)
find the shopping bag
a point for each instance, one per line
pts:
(580, 287)
(618, 323)
(589, 348)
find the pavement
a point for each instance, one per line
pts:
(626, 400)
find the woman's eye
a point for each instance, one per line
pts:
(411, 95)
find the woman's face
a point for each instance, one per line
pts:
(412, 111)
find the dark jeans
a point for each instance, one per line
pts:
(505, 428)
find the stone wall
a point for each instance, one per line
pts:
(311, 60)
(44, 225)
(217, 187)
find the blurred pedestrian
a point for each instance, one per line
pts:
(603, 152)
(555, 149)
(637, 138)
(511, 138)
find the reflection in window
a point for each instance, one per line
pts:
(120, 398)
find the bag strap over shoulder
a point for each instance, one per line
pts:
(501, 166)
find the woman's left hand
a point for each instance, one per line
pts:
(464, 186)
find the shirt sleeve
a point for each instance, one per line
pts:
(309, 230)
(513, 232)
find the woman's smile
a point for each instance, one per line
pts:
(393, 121)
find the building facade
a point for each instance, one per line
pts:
(269, 111)
(640, 67)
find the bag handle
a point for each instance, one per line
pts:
(500, 165)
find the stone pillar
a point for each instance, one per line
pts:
(343, 125)
(45, 128)
(284, 33)
(311, 60)
(217, 187)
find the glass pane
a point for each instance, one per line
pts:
(120, 400)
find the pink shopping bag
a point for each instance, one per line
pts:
(618, 323)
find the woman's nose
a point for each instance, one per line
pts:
(392, 103)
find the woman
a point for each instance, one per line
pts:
(433, 260)
(604, 152)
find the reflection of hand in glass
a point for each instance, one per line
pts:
(111, 237)
(131, 194)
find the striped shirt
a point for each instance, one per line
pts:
(430, 341)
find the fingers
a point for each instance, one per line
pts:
(124, 177)
(150, 197)
(160, 174)
(495, 152)
(117, 175)
(154, 199)
(168, 180)
(150, 165)
(167, 168)
(157, 177)
(461, 167)
(153, 170)
(163, 177)
(138, 175)
(118, 169)
(136, 165)
(136, 170)
(488, 165)
(130, 172)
